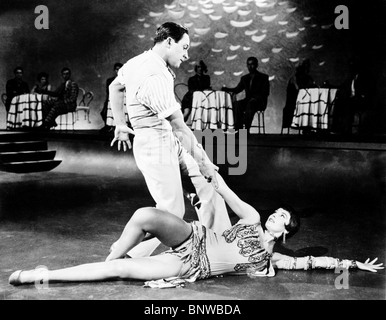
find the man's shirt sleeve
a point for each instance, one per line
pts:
(158, 94)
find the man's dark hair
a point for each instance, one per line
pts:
(18, 68)
(254, 59)
(66, 69)
(170, 29)
(41, 75)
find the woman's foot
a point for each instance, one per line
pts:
(20, 277)
(14, 278)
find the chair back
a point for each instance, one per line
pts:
(4, 98)
(179, 90)
(88, 97)
(82, 95)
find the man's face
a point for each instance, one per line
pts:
(178, 51)
(19, 74)
(66, 75)
(252, 66)
(43, 80)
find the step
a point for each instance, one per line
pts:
(29, 166)
(9, 136)
(27, 156)
(22, 146)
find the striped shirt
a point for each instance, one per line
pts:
(149, 85)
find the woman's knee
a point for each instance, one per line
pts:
(144, 215)
(117, 269)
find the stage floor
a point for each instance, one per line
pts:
(72, 215)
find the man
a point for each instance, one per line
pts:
(15, 87)
(108, 128)
(162, 140)
(256, 87)
(63, 101)
(351, 99)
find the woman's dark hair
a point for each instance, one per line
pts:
(41, 75)
(117, 65)
(294, 223)
(170, 29)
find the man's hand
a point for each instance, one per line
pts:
(121, 134)
(208, 170)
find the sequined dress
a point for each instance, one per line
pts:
(238, 250)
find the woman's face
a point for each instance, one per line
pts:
(277, 221)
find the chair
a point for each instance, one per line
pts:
(260, 116)
(4, 98)
(84, 104)
(260, 121)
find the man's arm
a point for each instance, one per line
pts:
(122, 131)
(117, 96)
(235, 90)
(190, 143)
(73, 93)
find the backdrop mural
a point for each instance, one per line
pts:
(89, 36)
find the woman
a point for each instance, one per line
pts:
(199, 82)
(197, 252)
(42, 85)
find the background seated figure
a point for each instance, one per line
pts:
(42, 84)
(103, 113)
(196, 251)
(199, 82)
(351, 98)
(256, 87)
(15, 87)
(300, 80)
(61, 101)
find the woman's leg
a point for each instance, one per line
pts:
(168, 228)
(149, 268)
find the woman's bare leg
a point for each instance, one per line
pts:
(149, 268)
(168, 228)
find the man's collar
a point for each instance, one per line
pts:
(158, 57)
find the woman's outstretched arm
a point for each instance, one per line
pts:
(244, 211)
(282, 261)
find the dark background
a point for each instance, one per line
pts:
(89, 36)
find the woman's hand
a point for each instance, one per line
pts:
(370, 265)
(121, 134)
(208, 170)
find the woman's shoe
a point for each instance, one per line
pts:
(14, 278)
